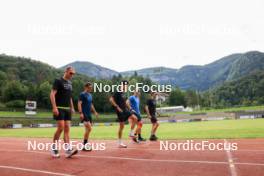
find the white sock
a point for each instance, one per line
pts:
(131, 132)
(119, 141)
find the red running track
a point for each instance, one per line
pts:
(138, 159)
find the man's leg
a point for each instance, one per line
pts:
(67, 132)
(60, 128)
(155, 128)
(120, 132)
(56, 137)
(88, 129)
(69, 151)
(153, 131)
(133, 121)
(139, 126)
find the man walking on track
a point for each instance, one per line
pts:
(134, 107)
(62, 108)
(86, 108)
(150, 109)
(118, 101)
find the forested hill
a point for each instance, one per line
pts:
(207, 76)
(247, 90)
(23, 78)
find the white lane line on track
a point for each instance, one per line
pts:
(147, 160)
(157, 149)
(33, 170)
(230, 161)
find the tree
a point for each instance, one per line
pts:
(177, 98)
(3, 80)
(191, 98)
(15, 91)
(43, 94)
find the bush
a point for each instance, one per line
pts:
(16, 104)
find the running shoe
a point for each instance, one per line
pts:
(135, 139)
(122, 145)
(153, 138)
(131, 134)
(141, 139)
(71, 152)
(55, 153)
(87, 148)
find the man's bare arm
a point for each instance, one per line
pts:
(72, 106)
(128, 104)
(80, 109)
(147, 111)
(80, 106)
(94, 111)
(53, 102)
(112, 101)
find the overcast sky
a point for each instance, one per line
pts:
(127, 35)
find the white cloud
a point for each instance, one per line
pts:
(125, 35)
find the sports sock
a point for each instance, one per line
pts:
(139, 135)
(85, 141)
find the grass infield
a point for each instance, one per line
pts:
(225, 129)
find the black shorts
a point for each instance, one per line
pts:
(123, 116)
(87, 119)
(138, 116)
(153, 119)
(64, 114)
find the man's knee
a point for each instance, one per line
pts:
(133, 118)
(88, 128)
(66, 128)
(121, 126)
(60, 129)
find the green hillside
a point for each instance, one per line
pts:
(92, 70)
(204, 77)
(247, 90)
(24, 78)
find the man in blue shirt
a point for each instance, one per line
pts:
(86, 108)
(134, 104)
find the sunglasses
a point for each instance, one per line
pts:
(71, 73)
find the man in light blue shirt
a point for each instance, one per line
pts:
(133, 103)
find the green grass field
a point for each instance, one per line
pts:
(19, 114)
(232, 109)
(250, 128)
(44, 114)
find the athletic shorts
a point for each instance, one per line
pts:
(123, 116)
(64, 114)
(138, 116)
(87, 119)
(153, 119)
